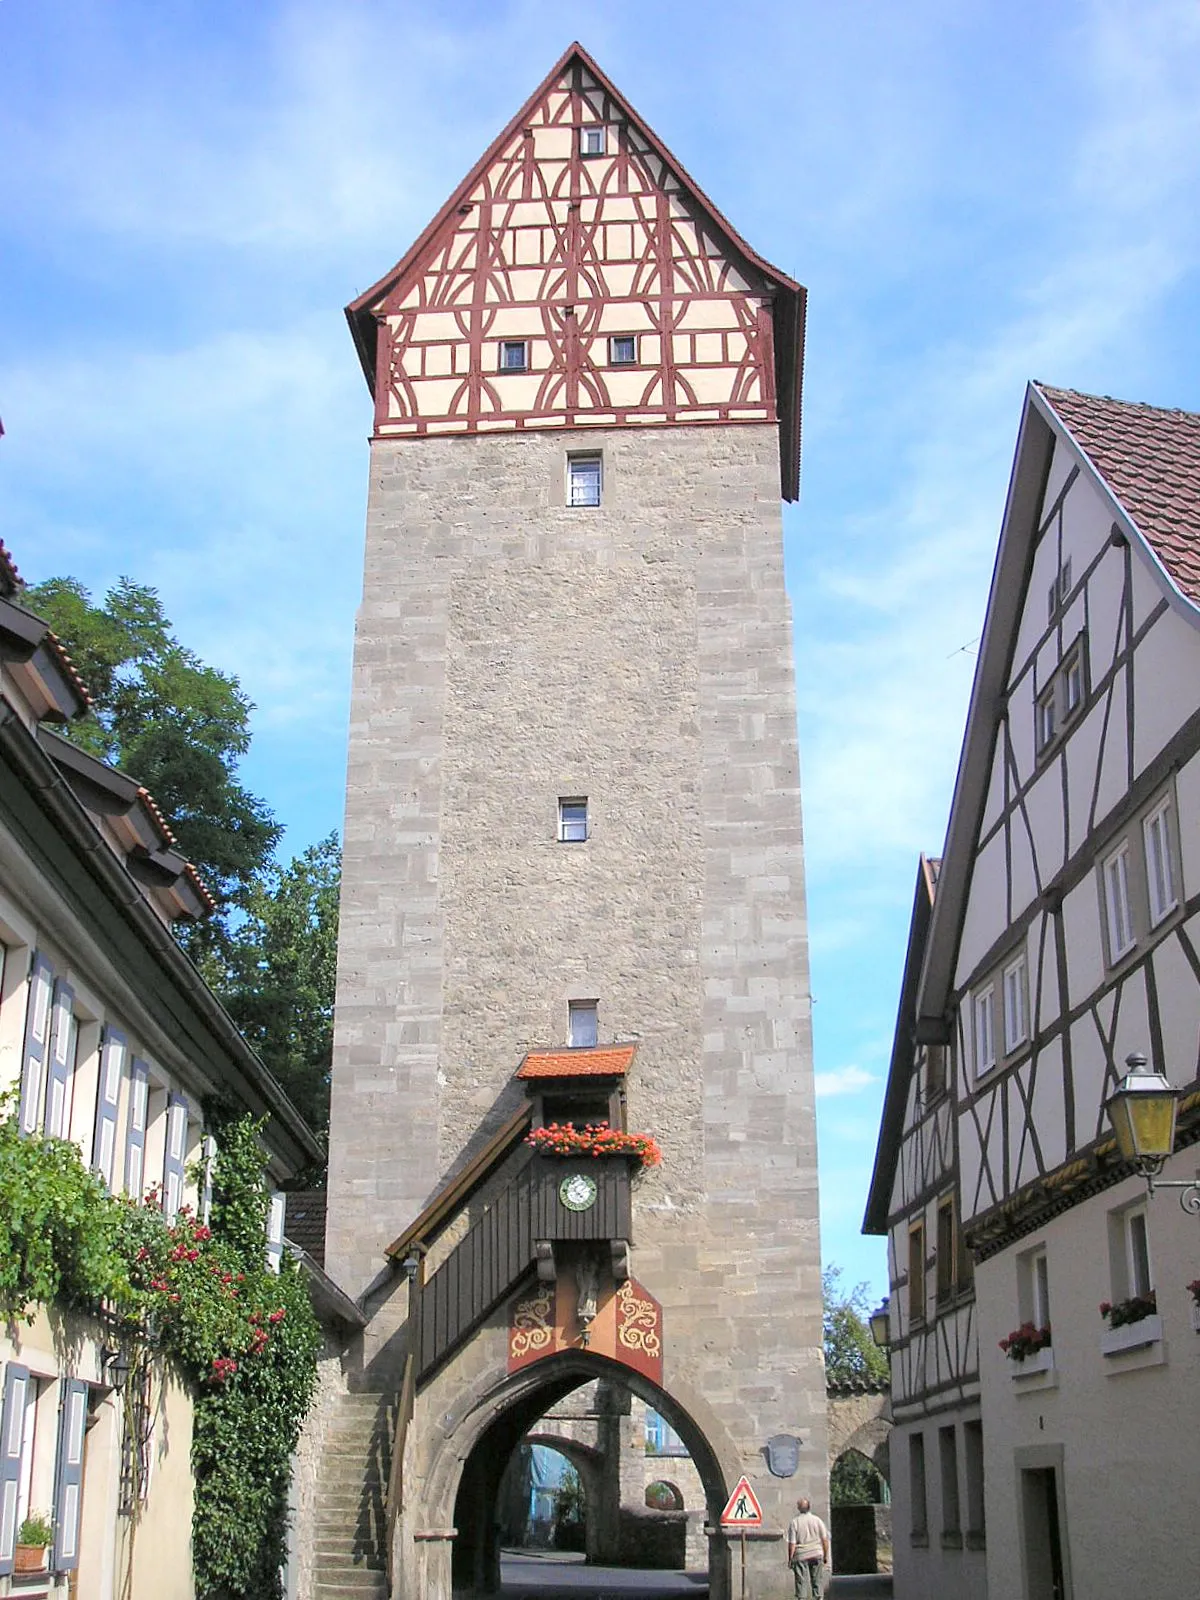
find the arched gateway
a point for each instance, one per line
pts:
(573, 932)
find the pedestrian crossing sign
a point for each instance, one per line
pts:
(742, 1509)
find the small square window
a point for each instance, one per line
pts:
(583, 1024)
(583, 480)
(572, 821)
(592, 141)
(623, 350)
(514, 355)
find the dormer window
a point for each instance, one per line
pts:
(514, 355)
(592, 141)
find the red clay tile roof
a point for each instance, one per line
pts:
(606, 1061)
(1150, 459)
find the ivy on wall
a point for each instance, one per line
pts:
(245, 1337)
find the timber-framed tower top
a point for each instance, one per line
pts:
(578, 277)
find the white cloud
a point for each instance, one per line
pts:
(842, 1081)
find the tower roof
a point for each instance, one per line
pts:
(726, 264)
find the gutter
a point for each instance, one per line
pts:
(40, 774)
(335, 1303)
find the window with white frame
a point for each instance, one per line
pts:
(583, 480)
(583, 1023)
(573, 820)
(593, 140)
(1046, 717)
(1062, 697)
(1118, 906)
(1139, 1277)
(1059, 589)
(623, 350)
(1016, 1020)
(1072, 682)
(1160, 883)
(514, 355)
(1033, 1287)
(983, 1029)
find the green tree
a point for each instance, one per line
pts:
(850, 1352)
(278, 978)
(175, 725)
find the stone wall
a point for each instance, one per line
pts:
(512, 650)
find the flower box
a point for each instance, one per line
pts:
(1131, 1336)
(1040, 1361)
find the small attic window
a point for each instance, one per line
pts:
(514, 355)
(593, 141)
(623, 350)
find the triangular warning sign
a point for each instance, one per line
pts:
(743, 1509)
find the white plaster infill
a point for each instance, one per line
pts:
(1038, 1364)
(1131, 1336)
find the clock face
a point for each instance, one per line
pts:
(577, 1192)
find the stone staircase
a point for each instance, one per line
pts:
(349, 1524)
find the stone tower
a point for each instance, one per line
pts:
(573, 883)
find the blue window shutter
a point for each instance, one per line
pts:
(175, 1154)
(108, 1099)
(12, 1432)
(135, 1134)
(61, 1061)
(37, 1038)
(68, 1477)
(275, 1215)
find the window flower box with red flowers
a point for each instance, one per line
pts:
(1030, 1349)
(567, 1142)
(1132, 1323)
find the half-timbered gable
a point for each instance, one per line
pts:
(1066, 937)
(1074, 943)
(577, 277)
(936, 1447)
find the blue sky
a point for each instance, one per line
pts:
(975, 194)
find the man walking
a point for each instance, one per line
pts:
(808, 1551)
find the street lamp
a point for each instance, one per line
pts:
(879, 1323)
(115, 1363)
(1142, 1111)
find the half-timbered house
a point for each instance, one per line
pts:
(936, 1447)
(1065, 936)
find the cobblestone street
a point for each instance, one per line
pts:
(555, 1578)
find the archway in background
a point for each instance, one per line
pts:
(517, 1406)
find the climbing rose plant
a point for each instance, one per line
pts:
(596, 1139)
(245, 1337)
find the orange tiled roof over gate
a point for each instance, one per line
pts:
(605, 1061)
(1150, 459)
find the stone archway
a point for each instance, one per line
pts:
(462, 1480)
